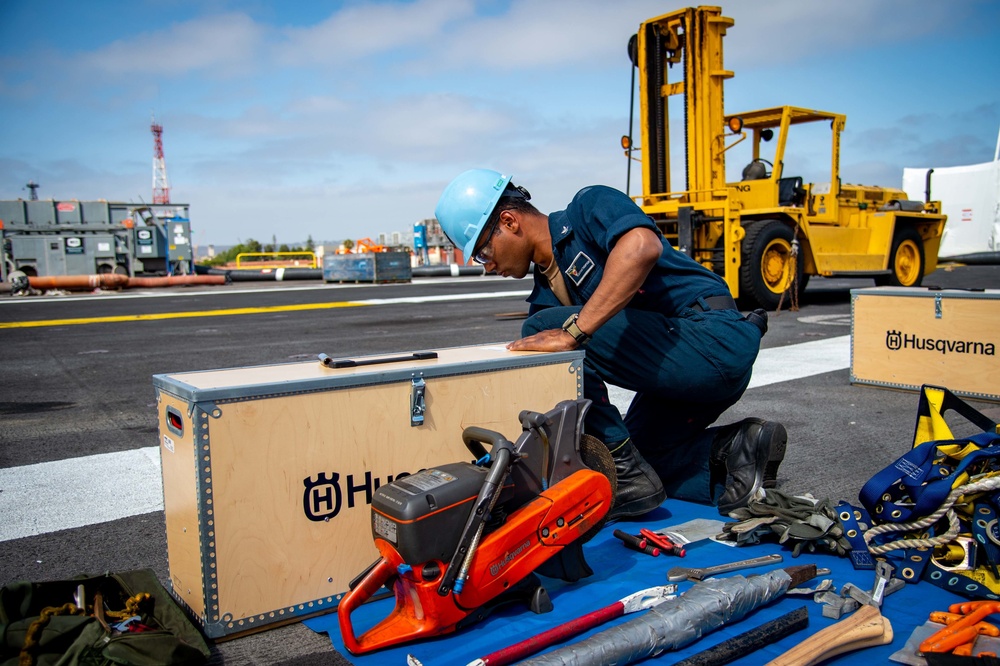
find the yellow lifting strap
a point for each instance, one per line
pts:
(931, 425)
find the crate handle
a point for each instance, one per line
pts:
(175, 422)
(328, 362)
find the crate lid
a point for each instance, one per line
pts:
(926, 292)
(285, 378)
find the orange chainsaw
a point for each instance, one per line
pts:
(459, 539)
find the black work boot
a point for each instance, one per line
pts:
(639, 488)
(746, 454)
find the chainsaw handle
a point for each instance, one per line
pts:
(530, 419)
(474, 436)
(378, 575)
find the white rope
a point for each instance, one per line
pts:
(983, 485)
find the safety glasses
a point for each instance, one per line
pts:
(484, 252)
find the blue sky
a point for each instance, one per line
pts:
(345, 119)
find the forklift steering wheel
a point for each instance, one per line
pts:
(756, 170)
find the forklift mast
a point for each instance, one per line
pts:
(688, 41)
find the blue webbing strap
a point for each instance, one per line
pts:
(923, 481)
(855, 521)
(986, 530)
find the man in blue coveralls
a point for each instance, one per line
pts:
(652, 320)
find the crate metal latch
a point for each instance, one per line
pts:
(417, 404)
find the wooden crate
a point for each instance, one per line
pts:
(268, 472)
(905, 337)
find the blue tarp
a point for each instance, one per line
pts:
(619, 572)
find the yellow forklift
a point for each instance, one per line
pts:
(769, 231)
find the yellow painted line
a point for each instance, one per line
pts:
(182, 315)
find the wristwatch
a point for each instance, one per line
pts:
(570, 327)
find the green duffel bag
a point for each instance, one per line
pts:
(129, 620)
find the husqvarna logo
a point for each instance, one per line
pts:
(509, 557)
(324, 497)
(896, 340)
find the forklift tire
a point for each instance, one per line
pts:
(906, 261)
(766, 267)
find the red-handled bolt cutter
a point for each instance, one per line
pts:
(663, 543)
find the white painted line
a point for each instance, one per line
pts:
(779, 364)
(843, 319)
(61, 495)
(111, 486)
(782, 364)
(441, 298)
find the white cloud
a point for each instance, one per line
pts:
(544, 35)
(365, 30)
(776, 32)
(218, 46)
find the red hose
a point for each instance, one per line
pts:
(86, 282)
(174, 280)
(116, 281)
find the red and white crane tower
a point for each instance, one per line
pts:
(161, 188)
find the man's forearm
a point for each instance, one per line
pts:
(631, 260)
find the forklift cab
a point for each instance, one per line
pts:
(763, 183)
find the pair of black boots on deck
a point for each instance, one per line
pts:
(745, 458)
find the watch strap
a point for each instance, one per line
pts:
(571, 327)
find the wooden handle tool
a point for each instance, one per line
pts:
(865, 628)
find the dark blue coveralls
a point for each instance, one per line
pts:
(686, 366)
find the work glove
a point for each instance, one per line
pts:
(799, 521)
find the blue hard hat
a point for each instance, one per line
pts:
(466, 204)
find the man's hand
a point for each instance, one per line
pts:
(552, 340)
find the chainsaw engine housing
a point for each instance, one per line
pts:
(457, 540)
(422, 515)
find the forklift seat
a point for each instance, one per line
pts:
(790, 191)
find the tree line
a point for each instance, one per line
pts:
(253, 245)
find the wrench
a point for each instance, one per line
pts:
(688, 573)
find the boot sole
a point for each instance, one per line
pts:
(779, 442)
